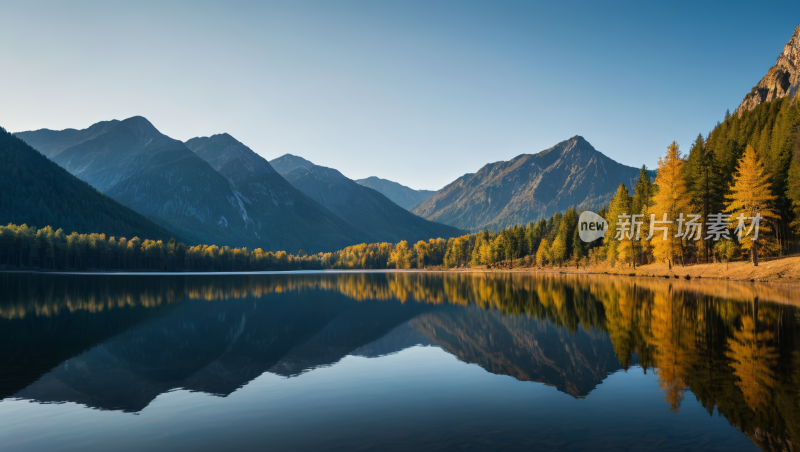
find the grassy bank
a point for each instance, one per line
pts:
(778, 271)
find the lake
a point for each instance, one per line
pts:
(396, 361)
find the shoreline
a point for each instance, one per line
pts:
(782, 271)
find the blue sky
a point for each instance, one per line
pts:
(414, 91)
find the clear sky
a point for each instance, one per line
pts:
(419, 92)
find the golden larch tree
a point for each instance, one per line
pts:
(750, 196)
(672, 199)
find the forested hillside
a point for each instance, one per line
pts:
(38, 192)
(771, 129)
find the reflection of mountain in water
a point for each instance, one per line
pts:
(117, 343)
(522, 347)
(217, 347)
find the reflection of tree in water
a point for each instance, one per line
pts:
(753, 361)
(705, 336)
(669, 330)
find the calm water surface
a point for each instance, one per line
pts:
(396, 361)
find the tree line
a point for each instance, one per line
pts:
(748, 165)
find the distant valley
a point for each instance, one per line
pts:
(401, 195)
(358, 205)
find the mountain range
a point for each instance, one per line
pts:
(37, 192)
(401, 195)
(273, 205)
(216, 190)
(151, 173)
(358, 205)
(529, 187)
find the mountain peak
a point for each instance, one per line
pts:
(141, 127)
(289, 162)
(781, 80)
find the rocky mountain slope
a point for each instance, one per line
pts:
(401, 195)
(529, 187)
(293, 219)
(358, 205)
(37, 192)
(132, 162)
(782, 79)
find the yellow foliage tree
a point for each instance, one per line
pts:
(543, 253)
(401, 256)
(558, 250)
(750, 196)
(671, 199)
(753, 361)
(619, 248)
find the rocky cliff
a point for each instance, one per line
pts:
(781, 80)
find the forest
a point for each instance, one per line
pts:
(747, 165)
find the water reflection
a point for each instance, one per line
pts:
(116, 343)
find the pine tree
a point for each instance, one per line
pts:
(642, 204)
(577, 246)
(750, 196)
(672, 199)
(704, 182)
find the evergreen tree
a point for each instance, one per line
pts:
(704, 183)
(642, 204)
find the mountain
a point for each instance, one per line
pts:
(134, 163)
(358, 205)
(529, 187)
(294, 220)
(781, 80)
(399, 194)
(52, 142)
(38, 192)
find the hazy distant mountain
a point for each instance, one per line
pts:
(358, 205)
(293, 219)
(400, 194)
(782, 79)
(52, 142)
(37, 192)
(529, 187)
(134, 163)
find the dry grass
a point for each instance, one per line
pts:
(785, 271)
